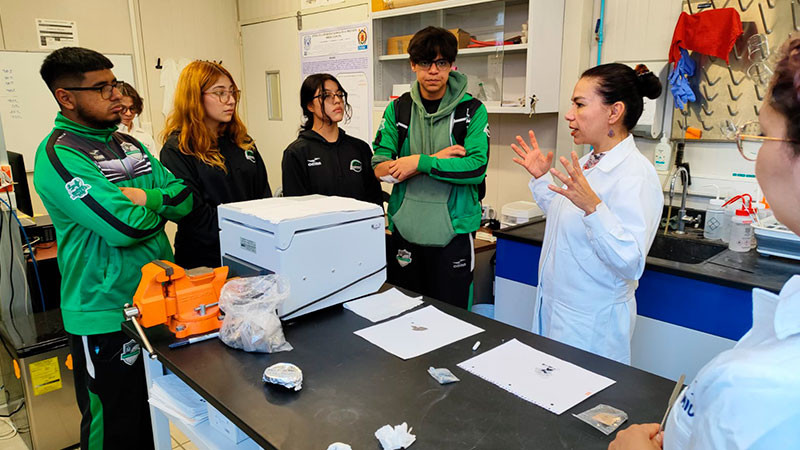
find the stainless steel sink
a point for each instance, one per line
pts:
(689, 250)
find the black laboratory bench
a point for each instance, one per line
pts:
(728, 268)
(351, 388)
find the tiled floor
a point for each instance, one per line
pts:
(179, 440)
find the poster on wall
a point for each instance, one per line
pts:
(53, 34)
(344, 53)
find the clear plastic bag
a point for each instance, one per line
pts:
(603, 417)
(251, 318)
(443, 376)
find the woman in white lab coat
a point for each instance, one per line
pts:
(749, 396)
(602, 214)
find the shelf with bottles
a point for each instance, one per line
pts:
(499, 75)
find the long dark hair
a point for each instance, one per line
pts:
(619, 83)
(785, 90)
(308, 91)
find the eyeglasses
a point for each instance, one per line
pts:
(126, 109)
(441, 64)
(224, 95)
(326, 95)
(748, 132)
(105, 90)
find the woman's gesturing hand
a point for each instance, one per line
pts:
(531, 158)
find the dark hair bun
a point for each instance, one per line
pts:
(647, 82)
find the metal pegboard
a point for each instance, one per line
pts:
(724, 91)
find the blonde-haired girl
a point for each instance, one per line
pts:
(207, 145)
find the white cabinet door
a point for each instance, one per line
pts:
(545, 35)
(513, 303)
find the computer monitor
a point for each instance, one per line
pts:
(21, 190)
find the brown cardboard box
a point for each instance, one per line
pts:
(380, 5)
(399, 44)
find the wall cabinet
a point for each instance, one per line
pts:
(504, 77)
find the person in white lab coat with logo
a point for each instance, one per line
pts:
(748, 397)
(602, 214)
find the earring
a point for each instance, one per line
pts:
(610, 133)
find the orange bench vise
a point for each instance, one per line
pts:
(187, 301)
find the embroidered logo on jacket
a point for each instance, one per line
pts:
(314, 162)
(250, 156)
(77, 188)
(132, 151)
(355, 166)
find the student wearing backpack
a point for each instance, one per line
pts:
(435, 206)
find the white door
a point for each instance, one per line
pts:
(270, 47)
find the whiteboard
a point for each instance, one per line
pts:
(27, 107)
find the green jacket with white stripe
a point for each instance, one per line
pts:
(103, 238)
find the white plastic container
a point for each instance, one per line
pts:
(516, 213)
(741, 231)
(715, 218)
(663, 155)
(729, 212)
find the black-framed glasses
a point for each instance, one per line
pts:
(126, 109)
(441, 64)
(105, 90)
(225, 95)
(341, 95)
(748, 132)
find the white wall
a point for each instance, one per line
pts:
(161, 28)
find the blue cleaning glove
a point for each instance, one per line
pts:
(679, 80)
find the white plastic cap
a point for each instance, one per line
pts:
(716, 202)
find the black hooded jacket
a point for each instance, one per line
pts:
(312, 165)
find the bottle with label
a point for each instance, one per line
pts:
(715, 217)
(728, 212)
(663, 155)
(741, 231)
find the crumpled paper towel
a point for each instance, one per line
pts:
(395, 438)
(339, 446)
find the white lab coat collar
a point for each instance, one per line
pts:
(613, 157)
(777, 315)
(787, 313)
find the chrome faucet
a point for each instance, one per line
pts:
(684, 172)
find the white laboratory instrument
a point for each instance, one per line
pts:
(330, 249)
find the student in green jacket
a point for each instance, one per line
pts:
(108, 198)
(434, 208)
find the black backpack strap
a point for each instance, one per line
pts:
(402, 118)
(461, 118)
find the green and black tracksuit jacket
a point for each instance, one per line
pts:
(103, 238)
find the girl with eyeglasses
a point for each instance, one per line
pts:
(132, 106)
(207, 145)
(748, 397)
(324, 159)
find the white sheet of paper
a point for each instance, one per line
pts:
(418, 332)
(537, 377)
(381, 306)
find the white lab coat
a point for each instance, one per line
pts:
(589, 266)
(747, 397)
